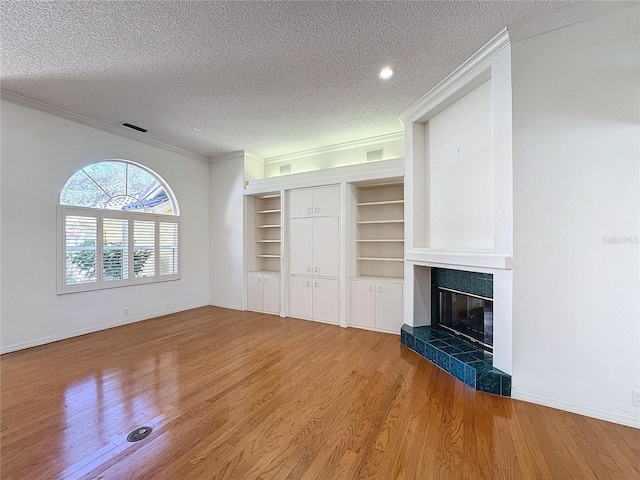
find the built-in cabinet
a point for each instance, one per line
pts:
(268, 212)
(327, 252)
(265, 253)
(263, 292)
(314, 298)
(314, 253)
(314, 248)
(376, 287)
(314, 202)
(376, 304)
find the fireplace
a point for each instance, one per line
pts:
(462, 302)
(458, 334)
(466, 314)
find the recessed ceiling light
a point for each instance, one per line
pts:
(197, 129)
(386, 73)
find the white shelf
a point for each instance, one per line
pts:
(381, 202)
(459, 258)
(378, 222)
(381, 240)
(268, 235)
(379, 232)
(381, 259)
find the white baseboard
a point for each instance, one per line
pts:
(614, 417)
(227, 305)
(372, 329)
(95, 328)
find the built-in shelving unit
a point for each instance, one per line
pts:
(380, 230)
(268, 214)
(301, 233)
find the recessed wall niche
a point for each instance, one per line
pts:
(460, 152)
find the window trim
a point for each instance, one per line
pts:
(99, 214)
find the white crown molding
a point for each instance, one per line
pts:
(563, 17)
(492, 47)
(253, 156)
(362, 172)
(335, 148)
(235, 155)
(74, 117)
(599, 413)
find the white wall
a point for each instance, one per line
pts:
(39, 153)
(227, 231)
(461, 173)
(576, 154)
(350, 153)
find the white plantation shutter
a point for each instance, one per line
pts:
(168, 242)
(115, 249)
(105, 248)
(144, 248)
(81, 234)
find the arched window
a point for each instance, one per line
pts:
(120, 226)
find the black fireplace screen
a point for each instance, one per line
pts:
(467, 314)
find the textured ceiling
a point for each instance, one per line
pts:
(267, 77)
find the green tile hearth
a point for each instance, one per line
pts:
(463, 359)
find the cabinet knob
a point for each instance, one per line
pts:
(317, 269)
(259, 279)
(317, 285)
(308, 284)
(309, 210)
(317, 210)
(265, 279)
(379, 289)
(308, 268)
(371, 288)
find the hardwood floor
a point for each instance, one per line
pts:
(252, 396)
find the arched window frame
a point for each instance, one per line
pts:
(151, 240)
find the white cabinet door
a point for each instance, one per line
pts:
(254, 291)
(389, 306)
(300, 203)
(325, 299)
(326, 201)
(300, 246)
(363, 303)
(301, 297)
(326, 246)
(271, 292)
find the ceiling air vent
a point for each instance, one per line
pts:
(134, 127)
(373, 155)
(285, 169)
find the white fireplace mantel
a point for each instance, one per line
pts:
(458, 258)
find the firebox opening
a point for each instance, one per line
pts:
(466, 314)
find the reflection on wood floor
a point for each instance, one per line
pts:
(252, 396)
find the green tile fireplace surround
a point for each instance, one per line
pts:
(466, 360)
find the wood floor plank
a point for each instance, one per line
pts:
(244, 395)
